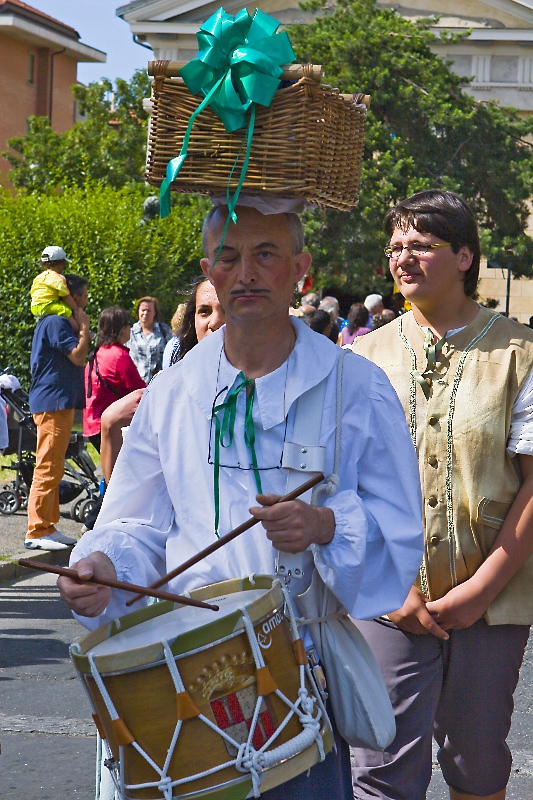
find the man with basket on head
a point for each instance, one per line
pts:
(254, 409)
(160, 505)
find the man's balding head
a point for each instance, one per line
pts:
(292, 220)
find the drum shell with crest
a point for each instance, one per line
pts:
(213, 655)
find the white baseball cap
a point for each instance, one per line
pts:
(54, 253)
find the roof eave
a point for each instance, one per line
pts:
(43, 37)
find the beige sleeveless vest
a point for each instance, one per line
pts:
(461, 429)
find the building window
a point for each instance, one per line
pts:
(504, 69)
(32, 61)
(462, 65)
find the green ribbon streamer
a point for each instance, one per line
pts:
(237, 66)
(431, 350)
(225, 434)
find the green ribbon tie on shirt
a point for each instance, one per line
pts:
(238, 65)
(431, 350)
(225, 434)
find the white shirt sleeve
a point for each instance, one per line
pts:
(521, 431)
(389, 488)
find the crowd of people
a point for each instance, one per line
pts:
(425, 541)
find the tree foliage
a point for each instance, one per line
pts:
(99, 227)
(108, 148)
(423, 131)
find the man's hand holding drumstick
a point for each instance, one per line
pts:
(293, 526)
(88, 599)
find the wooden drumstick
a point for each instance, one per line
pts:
(229, 536)
(128, 587)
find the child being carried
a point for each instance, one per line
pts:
(49, 291)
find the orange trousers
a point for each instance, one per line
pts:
(53, 436)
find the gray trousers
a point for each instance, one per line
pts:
(460, 692)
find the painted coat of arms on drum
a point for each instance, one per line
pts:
(230, 687)
(234, 713)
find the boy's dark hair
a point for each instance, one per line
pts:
(319, 321)
(445, 215)
(75, 283)
(110, 323)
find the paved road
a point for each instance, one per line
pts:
(46, 732)
(13, 530)
(47, 737)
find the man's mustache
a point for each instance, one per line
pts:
(249, 291)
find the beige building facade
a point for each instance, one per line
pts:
(497, 54)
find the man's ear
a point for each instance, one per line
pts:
(302, 264)
(467, 257)
(205, 266)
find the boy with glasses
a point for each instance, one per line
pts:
(451, 654)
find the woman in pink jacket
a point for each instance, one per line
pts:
(110, 372)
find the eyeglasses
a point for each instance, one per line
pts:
(415, 249)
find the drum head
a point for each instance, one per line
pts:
(177, 622)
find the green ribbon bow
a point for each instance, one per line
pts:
(225, 433)
(431, 350)
(238, 65)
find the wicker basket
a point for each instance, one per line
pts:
(307, 144)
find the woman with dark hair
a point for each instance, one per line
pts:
(357, 321)
(148, 338)
(203, 314)
(110, 372)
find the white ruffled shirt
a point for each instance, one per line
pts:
(159, 507)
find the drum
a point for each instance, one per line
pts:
(193, 703)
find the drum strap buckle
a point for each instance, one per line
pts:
(318, 673)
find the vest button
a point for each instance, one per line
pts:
(433, 420)
(434, 540)
(432, 501)
(432, 461)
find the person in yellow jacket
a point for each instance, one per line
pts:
(451, 654)
(49, 290)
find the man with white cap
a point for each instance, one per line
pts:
(57, 361)
(176, 485)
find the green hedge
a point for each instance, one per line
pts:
(100, 229)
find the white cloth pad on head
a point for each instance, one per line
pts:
(265, 204)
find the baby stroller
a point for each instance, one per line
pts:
(80, 479)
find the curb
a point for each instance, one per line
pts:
(9, 570)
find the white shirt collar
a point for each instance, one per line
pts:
(206, 371)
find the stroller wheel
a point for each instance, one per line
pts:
(9, 502)
(23, 496)
(85, 509)
(75, 510)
